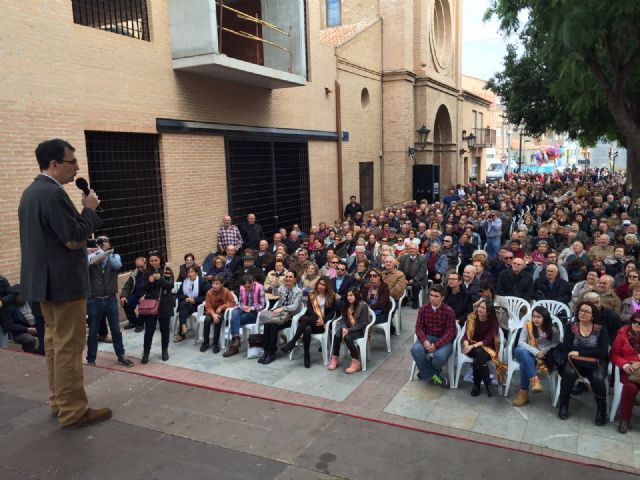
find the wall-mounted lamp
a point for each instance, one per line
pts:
(470, 139)
(327, 90)
(462, 151)
(423, 134)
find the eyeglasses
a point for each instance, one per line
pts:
(373, 275)
(582, 310)
(508, 258)
(341, 269)
(635, 322)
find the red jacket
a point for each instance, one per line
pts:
(621, 351)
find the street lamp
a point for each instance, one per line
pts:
(423, 133)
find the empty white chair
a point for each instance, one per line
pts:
(174, 317)
(514, 307)
(398, 312)
(386, 327)
(617, 393)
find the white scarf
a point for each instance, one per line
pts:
(191, 287)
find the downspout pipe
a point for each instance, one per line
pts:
(339, 147)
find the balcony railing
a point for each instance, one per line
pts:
(484, 137)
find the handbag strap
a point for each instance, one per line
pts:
(580, 377)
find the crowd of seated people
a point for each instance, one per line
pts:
(537, 238)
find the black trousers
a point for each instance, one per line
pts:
(271, 332)
(349, 341)
(415, 293)
(596, 376)
(480, 364)
(216, 329)
(306, 327)
(185, 310)
(150, 328)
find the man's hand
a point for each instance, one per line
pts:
(426, 344)
(32, 331)
(123, 300)
(573, 353)
(90, 201)
(432, 348)
(246, 309)
(190, 300)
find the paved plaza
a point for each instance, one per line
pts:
(385, 392)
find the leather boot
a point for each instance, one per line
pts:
(486, 378)
(307, 359)
(234, 347)
(601, 412)
(204, 347)
(145, 357)
(475, 390)
(623, 426)
(522, 398)
(264, 356)
(165, 355)
(333, 364)
(306, 343)
(355, 366)
(563, 409)
(288, 347)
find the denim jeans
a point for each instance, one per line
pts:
(239, 318)
(96, 309)
(428, 363)
(4, 338)
(527, 366)
(493, 247)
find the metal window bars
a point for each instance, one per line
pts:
(124, 17)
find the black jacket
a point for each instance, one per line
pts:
(347, 282)
(520, 285)
(461, 303)
(350, 210)
(53, 235)
(251, 235)
(203, 288)
(561, 291)
(7, 296)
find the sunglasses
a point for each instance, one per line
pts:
(373, 275)
(341, 269)
(635, 322)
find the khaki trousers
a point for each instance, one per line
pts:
(64, 340)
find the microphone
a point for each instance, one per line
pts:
(83, 185)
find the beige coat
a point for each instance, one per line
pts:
(396, 281)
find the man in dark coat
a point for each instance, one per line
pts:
(515, 282)
(352, 207)
(342, 283)
(55, 272)
(551, 286)
(251, 233)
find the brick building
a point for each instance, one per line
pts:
(184, 110)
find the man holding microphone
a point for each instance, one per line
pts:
(55, 272)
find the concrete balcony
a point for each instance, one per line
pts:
(255, 42)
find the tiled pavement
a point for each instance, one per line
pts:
(385, 393)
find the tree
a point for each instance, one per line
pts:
(579, 72)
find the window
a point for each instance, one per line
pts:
(366, 185)
(124, 17)
(333, 13)
(474, 120)
(480, 120)
(124, 169)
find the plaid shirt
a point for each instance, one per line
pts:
(229, 236)
(441, 323)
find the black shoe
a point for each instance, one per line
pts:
(122, 360)
(287, 348)
(414, 306)
(489, 388)
(264, 356)
(271, 356)
(307, 360)
(419, 376)
(204, 347)
(91, 363)
(139, 328)
(216, 348)
(563, 411)
(475, 390)
(129, 326)
(145, 358)
(601, 413)
(165, 355)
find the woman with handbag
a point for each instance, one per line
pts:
(537, 338)
(355, 317)
(320, 309)
(625, 353)
(157, 304)
(480, 342)
(289, 304)
(585, 345)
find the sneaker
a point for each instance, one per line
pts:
(125, 361)
(438, 379)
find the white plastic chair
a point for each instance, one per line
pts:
(617, 393)
(554, 307)
(362, 343)
(386, 328)
(450, 362)
(462, 359)
(398, 312)
(195, 323)
(513, 365)
(201, 317)
(514, 307)
(323, 337)
(173, 320)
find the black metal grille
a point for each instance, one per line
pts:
(366, 185)
(124, 170)
(124, 17)
(270, 179)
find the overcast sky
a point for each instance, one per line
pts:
(482, 48)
